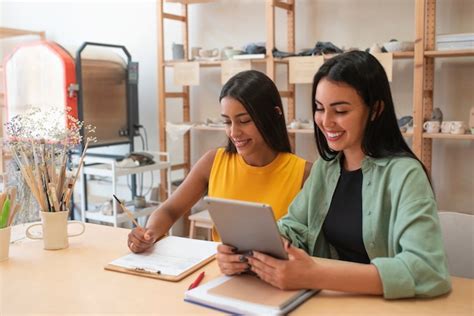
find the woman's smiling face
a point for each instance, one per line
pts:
(341, 115)
(242, 131)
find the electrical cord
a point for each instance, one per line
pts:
(146, 134)
(147, 148)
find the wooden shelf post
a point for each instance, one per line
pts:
(163, 95)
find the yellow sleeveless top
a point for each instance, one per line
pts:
(275, 184)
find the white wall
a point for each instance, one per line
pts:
(349, 23)
(72, 22)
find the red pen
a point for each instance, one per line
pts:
(197, 281)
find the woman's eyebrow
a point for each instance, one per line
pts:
(334, 103)
(237, 115)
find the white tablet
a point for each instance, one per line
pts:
(246, 226)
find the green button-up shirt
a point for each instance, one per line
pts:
(400, 224)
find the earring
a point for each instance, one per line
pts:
(278, 110)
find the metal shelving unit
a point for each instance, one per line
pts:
(107, 167)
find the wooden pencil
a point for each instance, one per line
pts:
(127, 211)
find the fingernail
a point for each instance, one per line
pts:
(242, 258)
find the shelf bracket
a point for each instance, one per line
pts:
(174, 17)
(283, 5)
(175, 95)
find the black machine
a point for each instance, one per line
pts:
(108, 100)
(108, 97)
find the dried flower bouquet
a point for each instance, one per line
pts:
(40, 141)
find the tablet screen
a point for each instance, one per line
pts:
(246, 226)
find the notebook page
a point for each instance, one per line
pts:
(171, 256)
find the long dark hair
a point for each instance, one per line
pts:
(364, 73)
(259, 96)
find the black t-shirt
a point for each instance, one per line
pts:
(343, 224)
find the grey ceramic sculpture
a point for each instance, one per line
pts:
(437, 115)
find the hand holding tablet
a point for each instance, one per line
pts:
(246, 226)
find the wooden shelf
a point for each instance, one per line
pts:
(10, 32)
(216, 63)
(290, 130)
(190, 1)
(396, 55)
(449, 136)
(449, 53)
(301, 131)
(208, 128)
(294, 131)
(403, 55)
(281, 61)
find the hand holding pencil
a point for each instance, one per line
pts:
(140, 238)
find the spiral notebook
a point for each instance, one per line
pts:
(246, 294)
(172, 258)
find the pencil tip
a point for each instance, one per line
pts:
(116, 198)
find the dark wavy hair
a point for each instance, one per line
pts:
(364, 73)
(259, 96)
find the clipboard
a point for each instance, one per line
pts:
(171, 259)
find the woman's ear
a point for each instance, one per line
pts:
(378, 109)
(278, 110)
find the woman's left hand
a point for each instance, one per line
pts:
(294, 273)
(229, 262)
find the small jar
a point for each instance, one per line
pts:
(139, 201)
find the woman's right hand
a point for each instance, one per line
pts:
(140, 239)
(229, 262)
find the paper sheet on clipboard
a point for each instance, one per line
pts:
(174, 258)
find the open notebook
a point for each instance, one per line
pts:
(172, 258)
(246, 294)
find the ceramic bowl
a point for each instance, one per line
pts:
(229, 53)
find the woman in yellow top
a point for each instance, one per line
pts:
(256, 166)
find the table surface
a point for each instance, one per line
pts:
(73, 281)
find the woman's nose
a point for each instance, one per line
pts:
(234, 130)
(327, 119)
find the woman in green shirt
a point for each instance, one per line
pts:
(367, 212)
